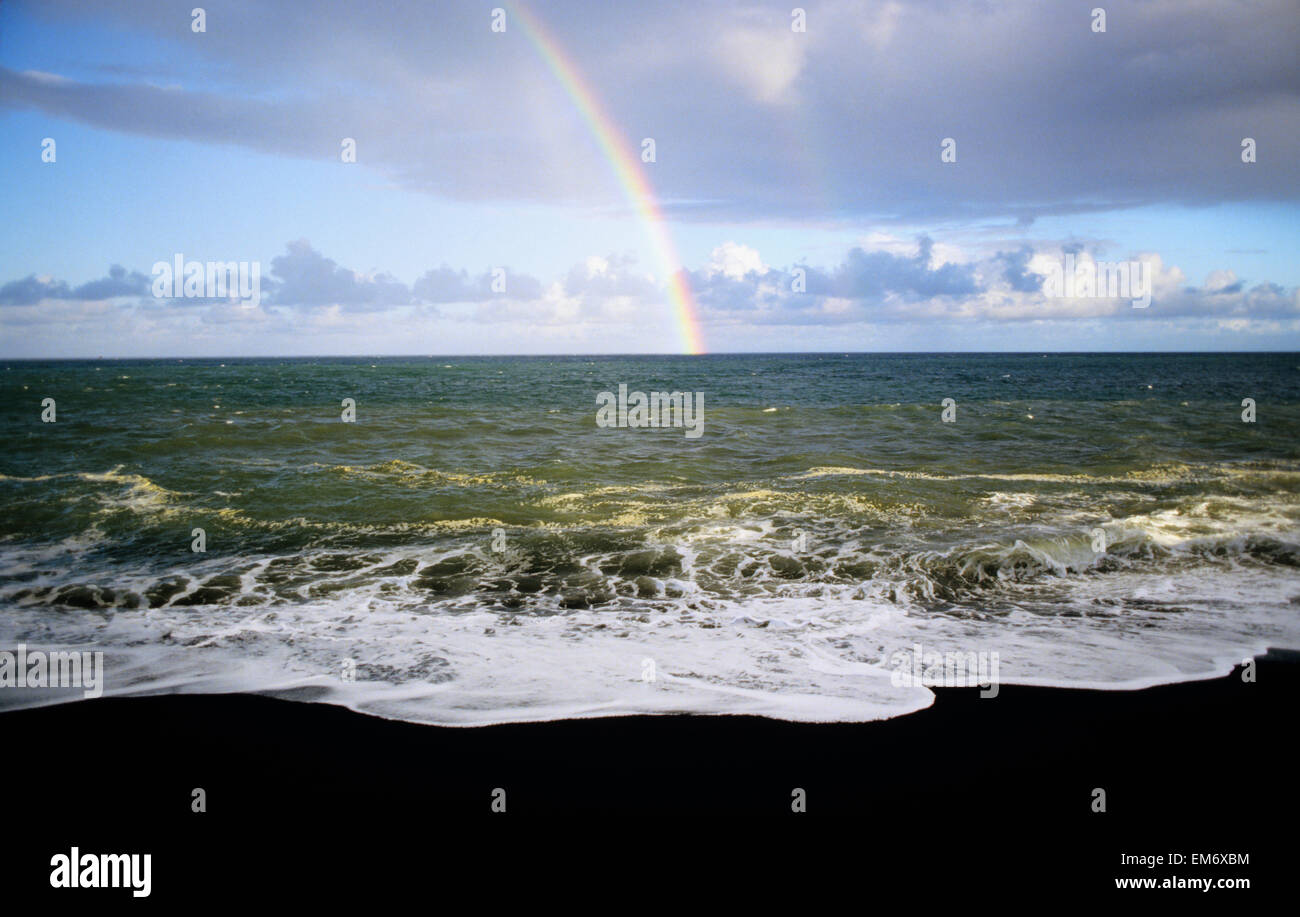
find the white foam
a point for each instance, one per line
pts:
(729, 630)
(804, 659)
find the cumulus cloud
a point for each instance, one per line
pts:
(881, 286)
(444, 284)
(301, 278)
(611, 276)
(33, 289)
(734, 261)
(304, 276)
(1016, 270)
(117, 283)
(610, 303)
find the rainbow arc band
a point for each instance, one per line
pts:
(627, 169)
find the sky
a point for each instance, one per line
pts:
(890, 176)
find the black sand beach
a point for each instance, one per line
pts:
(376, 380)
(1001, 787)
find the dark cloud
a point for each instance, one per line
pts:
(863, 276)
(751, 121)
(117, 283)
(877, 286)
(31, 289)
(302, 277)
(866, 274)
(1016, 270)
(305, 277)
(867, 286)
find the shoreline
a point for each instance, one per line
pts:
(326, 692)
(1191, 765)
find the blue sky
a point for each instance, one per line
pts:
(777, 151)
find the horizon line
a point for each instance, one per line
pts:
(667, 354)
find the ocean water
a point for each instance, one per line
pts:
(474, 548)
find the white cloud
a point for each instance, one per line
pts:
(764, 61)
(941, 253)
(1220, 280)
(733, 260)
(604, 304)
(880, 22)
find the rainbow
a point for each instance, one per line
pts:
(628, 171)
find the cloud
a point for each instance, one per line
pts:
(765, 60)
(882, 286)
(865, 274)
(117, 283)
(304, 277)
(897, 291)
(734, 261)
(33, 289)
(1017, 272)
(611, 276)
(446, 285)
(753, 121)
(1222, 282)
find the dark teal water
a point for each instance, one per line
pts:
(825, 514)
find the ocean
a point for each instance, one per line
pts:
(473, 547)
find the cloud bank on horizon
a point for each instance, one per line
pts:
(896, 176)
